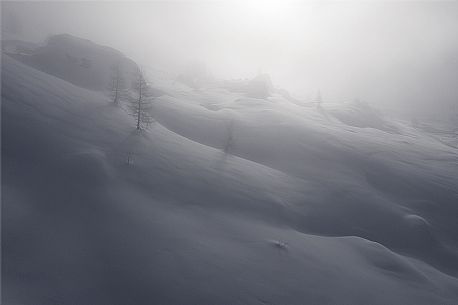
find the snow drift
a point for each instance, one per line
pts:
(228, 199)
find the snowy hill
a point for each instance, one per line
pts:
(230, 200)
(79, 61)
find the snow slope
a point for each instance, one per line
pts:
(229, 200)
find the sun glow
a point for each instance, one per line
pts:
(262, 11)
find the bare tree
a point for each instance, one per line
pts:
(229, 141)
(140, 105)
(318, 99)
(117, 85)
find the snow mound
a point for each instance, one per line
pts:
(362, 115)
(79, 61)
(89, 167)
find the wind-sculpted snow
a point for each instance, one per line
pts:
(360, 114)
(364, 178)
(225, 199)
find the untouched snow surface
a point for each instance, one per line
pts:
(226, 200)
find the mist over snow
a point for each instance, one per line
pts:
(393, 54)
(216, 152)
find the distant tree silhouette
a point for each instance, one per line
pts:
(318, 99)
(229, 142)
(117, 84)
(140, 105)
(454, 118)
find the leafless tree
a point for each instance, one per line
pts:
(318, 99)
(117, 85)
(229, 142)
(140, 104)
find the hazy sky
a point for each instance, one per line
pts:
(390, 53)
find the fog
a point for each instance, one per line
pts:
(315, 163)
(392, 54)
